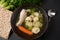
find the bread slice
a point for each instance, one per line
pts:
(5, 26)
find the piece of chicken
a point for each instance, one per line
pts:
(23, 15)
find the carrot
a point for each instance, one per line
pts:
(21, 28)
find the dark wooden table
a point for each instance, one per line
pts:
(53, 31)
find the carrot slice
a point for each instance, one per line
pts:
(21, 28)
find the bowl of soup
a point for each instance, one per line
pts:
(29, 22)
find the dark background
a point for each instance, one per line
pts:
(53, 31)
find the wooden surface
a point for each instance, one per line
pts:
(5, 27)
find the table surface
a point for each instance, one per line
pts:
(53, 31)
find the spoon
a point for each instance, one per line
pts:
(51, 13)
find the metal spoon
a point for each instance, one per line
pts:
(51, 13)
